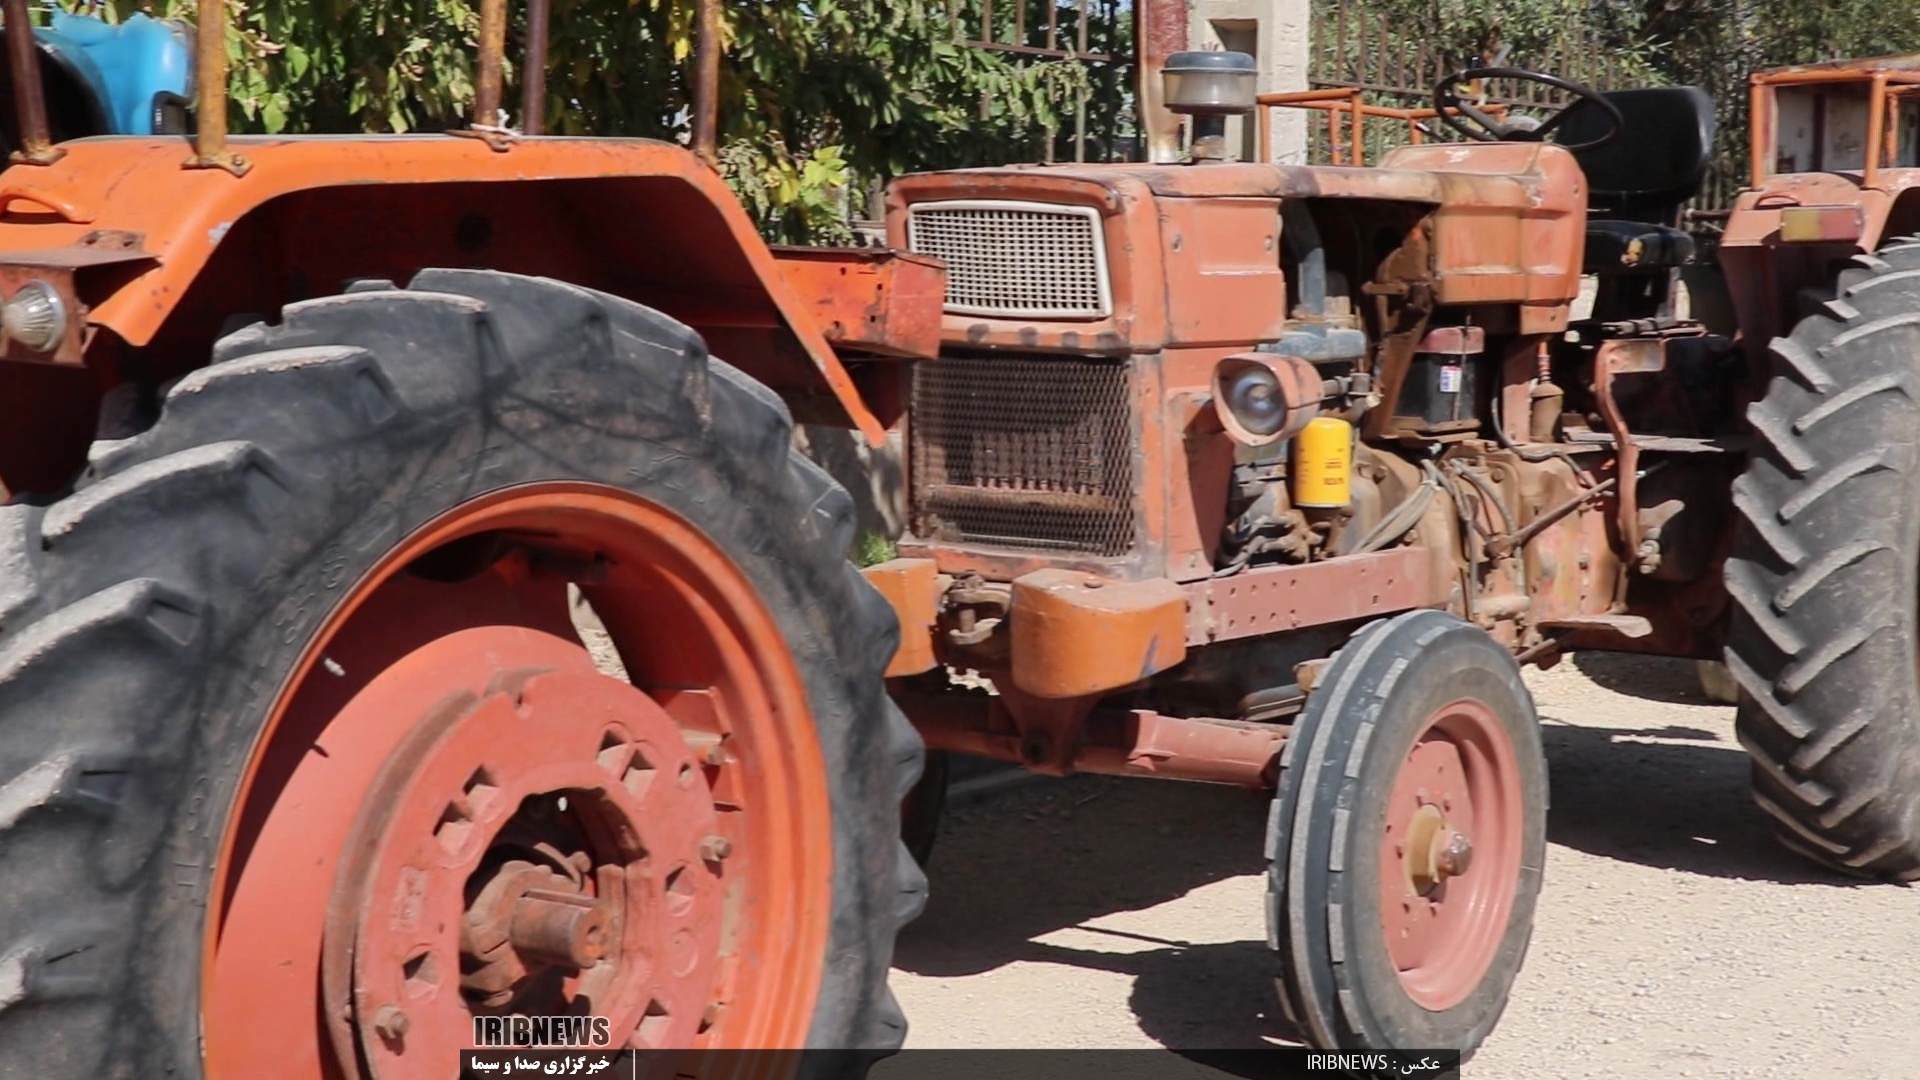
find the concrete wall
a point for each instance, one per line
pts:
(1277, 33)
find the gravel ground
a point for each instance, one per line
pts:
(1673, 939)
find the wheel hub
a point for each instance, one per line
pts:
(450, 813)
(549, 847)
(529, 918)
(1438, 892)
(1434, 851)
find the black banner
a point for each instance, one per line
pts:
(1276, 1063)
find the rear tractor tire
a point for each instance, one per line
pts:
(1825, 573)
(302, 764)
(1406, 841)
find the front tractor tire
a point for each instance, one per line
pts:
(303, 764)
(1825, 575)
(1406, 841)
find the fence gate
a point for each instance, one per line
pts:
(1355, 47)
(1098, 34)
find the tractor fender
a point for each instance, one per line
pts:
(641, 219)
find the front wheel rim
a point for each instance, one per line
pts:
(1450, 855)
(692, 911)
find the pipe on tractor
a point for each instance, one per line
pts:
(29, 97)
(533, 94)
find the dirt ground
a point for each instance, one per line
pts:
(1673, 939)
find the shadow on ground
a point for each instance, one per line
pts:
(1041, 858)
(1061, 853)
(1064, 853)
(1678, 803)
(1650, 678)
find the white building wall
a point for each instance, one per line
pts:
(1277, 33)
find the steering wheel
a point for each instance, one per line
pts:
(1456, 113)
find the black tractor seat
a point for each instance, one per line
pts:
(1614, 246)
(1640, 182)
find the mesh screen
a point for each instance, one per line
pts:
(1029, 263)
(1023, 452)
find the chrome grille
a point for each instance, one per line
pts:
(1016, 259)
(1023, 452)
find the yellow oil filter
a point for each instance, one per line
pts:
(1322, 462)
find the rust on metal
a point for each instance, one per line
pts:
(1612, 358)
(1270, 599)
(29, 90)
(469, 788)
(692, 253)
(1454, 341)
(1070, 737)
(1349, 149)
(61, 269)
(1450, 856)
(538, 828)
(1076, 634)
(1028, 452)
(210, 92)
(490, 65)
(870, 300)
(533, 75)
(706, 81)
(1507, 223)
(1184, 748)
(912, 588)
(1297, 388)
(1161, 27)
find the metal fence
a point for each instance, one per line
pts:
(1098, 34)
(1353, 46)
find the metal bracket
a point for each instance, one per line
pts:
(37, 155)
(500, 140)
(225, 159)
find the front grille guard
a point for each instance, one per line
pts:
(1016, 260)
(1022, 452)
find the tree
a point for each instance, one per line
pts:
(817, 96)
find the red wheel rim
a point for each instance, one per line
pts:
(1450, 854)
(451, 812)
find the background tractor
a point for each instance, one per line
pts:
(97, 78)
(1274, 475)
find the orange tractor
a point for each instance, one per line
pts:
(1276, 475)
(1261, 475)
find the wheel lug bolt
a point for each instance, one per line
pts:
(1454, 856)
(715, 848)
(390, 1022)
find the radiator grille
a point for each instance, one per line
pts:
(1016, 260)
(1023, 452)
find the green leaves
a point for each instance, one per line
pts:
(818, 98)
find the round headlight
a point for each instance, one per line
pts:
(1253, 394)
(34, 316)
(1261, 398)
